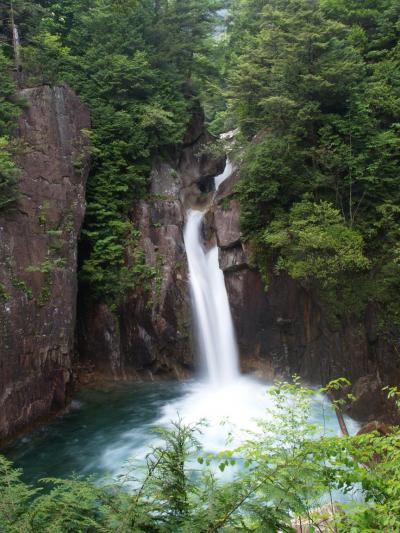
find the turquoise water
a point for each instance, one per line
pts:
(106, 426)
(98, 417)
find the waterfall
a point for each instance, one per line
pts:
(230, 403)
(225, 174)
(215, 331)
(16, 46)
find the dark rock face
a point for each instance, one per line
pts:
(285, 329)
(375, 426)
(227, 225)
(38, 255)
(149, 336)
(280, 331)
(233, 259)
(149, 333)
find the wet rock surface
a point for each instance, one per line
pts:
(281, 330)
(150, 335)
(38, 258)
(227, 224)
(375, 426)
(233, 259)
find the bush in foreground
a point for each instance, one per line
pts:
(288, 471)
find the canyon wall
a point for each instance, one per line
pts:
(280, 331)
(286, 330)
(38, 258)
(149, 335)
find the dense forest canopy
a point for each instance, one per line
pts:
(313, 86)
(139, 67)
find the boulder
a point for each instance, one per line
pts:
(227, 224)
(370, 399)
(232, 259)
(375, 426)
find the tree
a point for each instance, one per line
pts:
(314, 87)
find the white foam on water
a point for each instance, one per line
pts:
(230, 403)
(230, 411)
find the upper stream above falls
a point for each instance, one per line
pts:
(109, 425)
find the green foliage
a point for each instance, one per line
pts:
(15, 497)
(22, 286)
(9, 112)
(315, 243)
(283, 471)
(9, 174)
(138, 66)
(46, 57)
(48, 266)
(394, 394)
(117, 263)
(4, 296)
(315, 89)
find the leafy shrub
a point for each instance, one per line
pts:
(9, 174)
(315, 243)
(287, 468)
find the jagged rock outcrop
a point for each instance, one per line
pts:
(38, 258)
(149, 335)
(227, 225)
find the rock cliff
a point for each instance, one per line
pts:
(38, 258)
(149, 335)
(281, 331)
(285, 330)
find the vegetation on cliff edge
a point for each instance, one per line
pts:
(315, 89)
(138, 66)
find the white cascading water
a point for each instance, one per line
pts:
(210, 303)
(16, 46)
(225, 175)
(230, 402)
